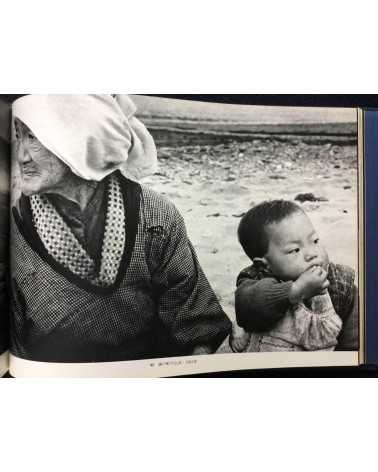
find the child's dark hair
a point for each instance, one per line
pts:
(251, 232)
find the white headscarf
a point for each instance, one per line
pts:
(94, 135)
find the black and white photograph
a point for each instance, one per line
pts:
(147, 227)
(4, 222)
(190, 192)
(270, 198)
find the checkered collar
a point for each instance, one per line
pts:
(63, 246)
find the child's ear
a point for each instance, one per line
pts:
(261, 262)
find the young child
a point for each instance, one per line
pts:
(292, 298)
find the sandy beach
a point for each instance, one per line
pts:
(215, 182)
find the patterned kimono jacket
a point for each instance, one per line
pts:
(4, 256)
(154, 302)
(4, 241)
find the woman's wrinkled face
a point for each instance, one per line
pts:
(41, 171)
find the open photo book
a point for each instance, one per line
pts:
(143, 236)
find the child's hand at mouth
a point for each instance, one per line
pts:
(312, 282)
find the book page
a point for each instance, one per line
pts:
(156, 237)
(4, 230)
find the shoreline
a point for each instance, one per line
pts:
(170, 136)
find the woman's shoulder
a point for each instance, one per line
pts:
(158, 209)
(150, 198)
(156, 200)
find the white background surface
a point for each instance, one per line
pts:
(168, 367)
(188, 425)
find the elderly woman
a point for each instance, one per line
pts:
(102, 268)
(4, 246)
